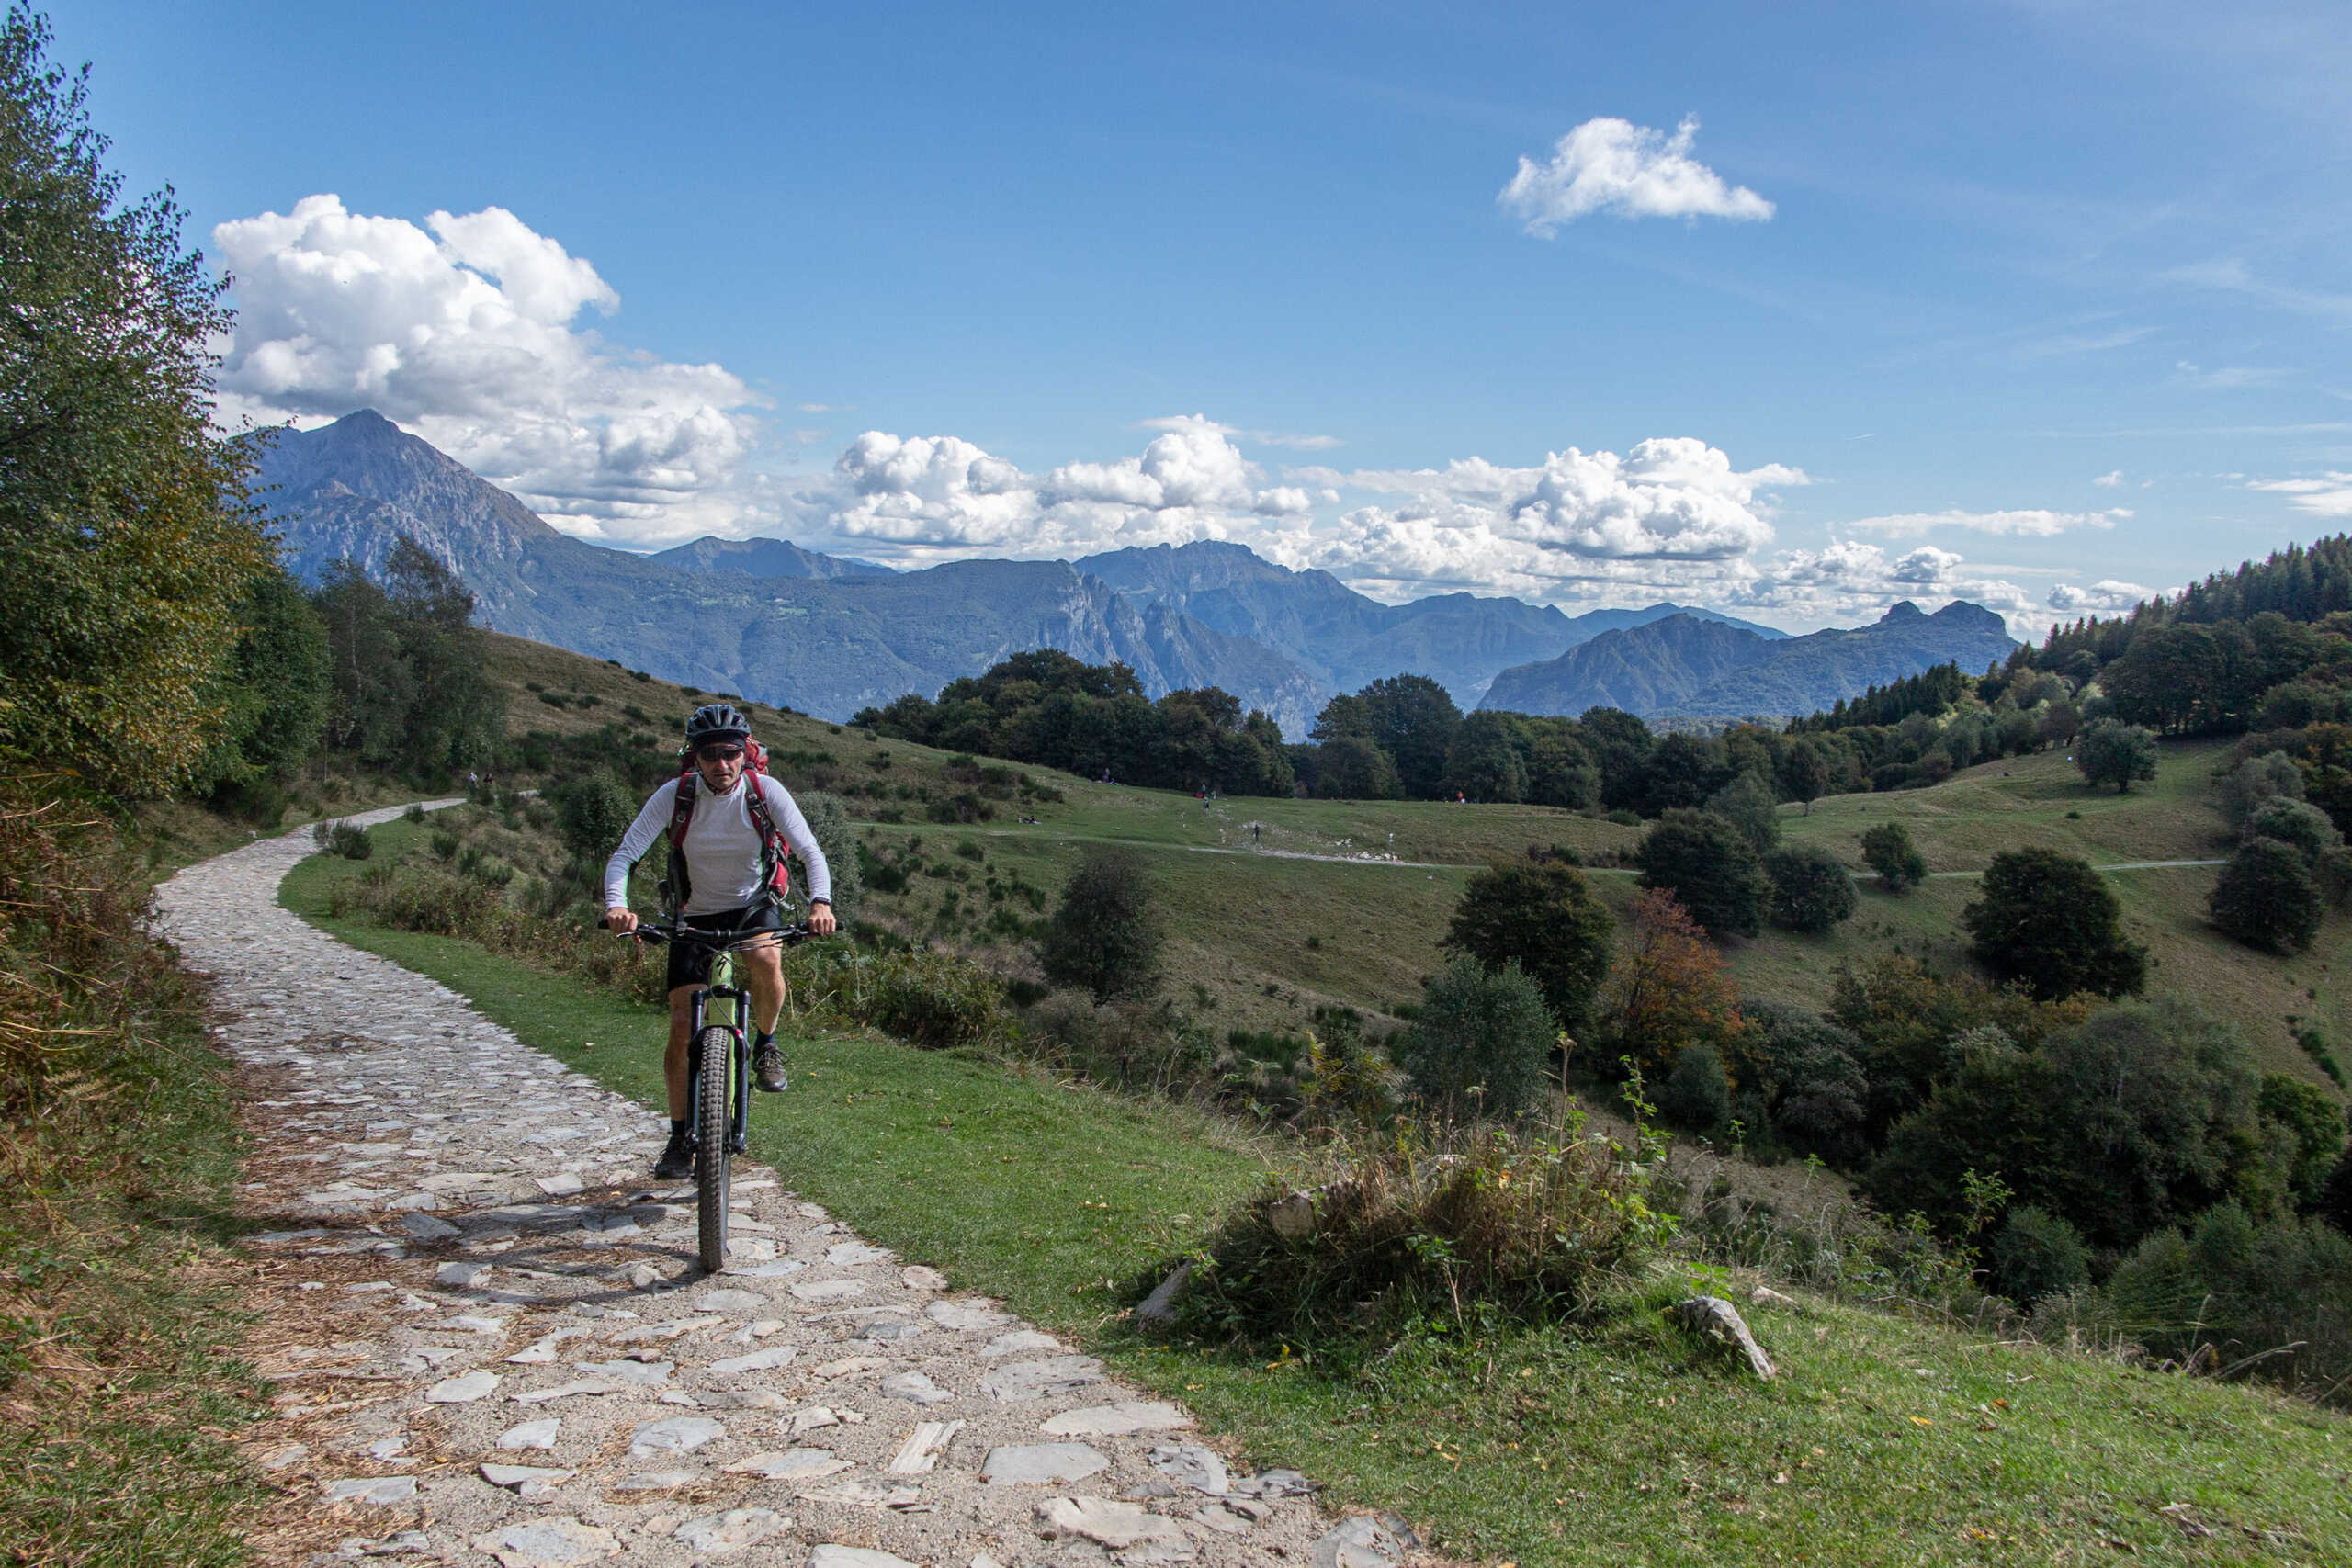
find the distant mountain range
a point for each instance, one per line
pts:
(1681, 667)
(829, 635)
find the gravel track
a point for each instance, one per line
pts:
(494, 1344)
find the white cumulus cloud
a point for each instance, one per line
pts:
(2111, 479)
(2032, 524)
(462, 330)
(2105, 597)
(1630, 171)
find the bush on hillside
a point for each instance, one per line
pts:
(2252, 781)
(2313, 1123)
(1543, 916)
(2048, 921)
(592, 812)
(829, 823)
(1349, 767)
(1906, 1019)
(2140, 1117)
(1104, 935)
(1711, 869)
(1137, 1045)
(1748, 803)
(2108, 752)
(345, 838)
(1811, 889)
(2036, 1254)
(1443, 1225)
(1798, 1083)
(1888, 850)
(1666, 990)
(1480, 1040)
(1696, 1095)
(2267, 897)
(2245, 1288)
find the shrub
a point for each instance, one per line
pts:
(2243, 1288)
(1479, 1043)
(1799, 1082)
(1666, 990)
(2313, 1123)
(2137, 1117)
(1126, 1045)
(345, 838)
(2047, 920)
(592, 812)
(2254, 779)
(1536, 1228)
(829, 823)
(2267, 897)
(1811, 889)
(2036, 1254)
(2110, 751)
(1888, 850)
(1104, 935)
(1544, 918)
(1696, 1094)
(1748, 803)
(1906, 1020)
(1711, 869)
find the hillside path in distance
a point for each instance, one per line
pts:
(492, 1342)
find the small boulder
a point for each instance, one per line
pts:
(1713, 1318)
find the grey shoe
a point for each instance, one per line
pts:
(767, 1068)
(677, 1160)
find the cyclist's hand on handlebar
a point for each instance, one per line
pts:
(820, 919)
(620, 921)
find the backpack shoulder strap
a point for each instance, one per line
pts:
(682, 810)
(776, 875)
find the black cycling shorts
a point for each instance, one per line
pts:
(690, 961)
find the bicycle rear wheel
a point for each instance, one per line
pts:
(714, 1135)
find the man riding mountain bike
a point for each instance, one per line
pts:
(724, 817)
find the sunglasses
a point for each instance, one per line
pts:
(719, 753)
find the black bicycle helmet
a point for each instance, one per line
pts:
(717, 721)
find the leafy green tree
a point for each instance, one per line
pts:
(1710, 867)
(1480, 1042)
(1888, 850)
(831, 825)
(1487, 759)
(275, 689)
(1351, 767)
(1803, 776)
(1749, 804)
(1798, 1082)
(592, 812)
(1811, 889)
(1697, 1093)
(370, 688)
(2267, 897)
(1683, 771)
(1104, 935)
(1560, 769)
(127, 543)
(1620, 747)
(2116, 754)
(2048, 921)
(2297, 823)
(2138, 1117)
(2036, 1254)
(2313, 1123)
(1544, 918)
(1412, 719)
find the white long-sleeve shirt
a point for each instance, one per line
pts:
(722, 845)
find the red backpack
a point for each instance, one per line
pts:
(776, 877)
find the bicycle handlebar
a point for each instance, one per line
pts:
(679, 930)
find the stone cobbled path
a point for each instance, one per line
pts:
(493, 1343)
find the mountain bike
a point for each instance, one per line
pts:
(719, 1071)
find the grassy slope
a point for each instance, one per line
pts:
(1240, 921)
(1884, 1441)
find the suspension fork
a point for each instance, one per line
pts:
(740, 1104)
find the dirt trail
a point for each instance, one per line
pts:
(494, 1344)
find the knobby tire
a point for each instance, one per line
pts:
(715, 1144)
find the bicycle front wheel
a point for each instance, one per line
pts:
(714, 1138)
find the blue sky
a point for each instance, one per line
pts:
(916, 283)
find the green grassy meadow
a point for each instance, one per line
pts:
(1886, 1440)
